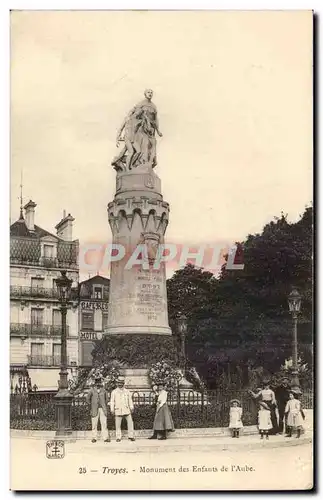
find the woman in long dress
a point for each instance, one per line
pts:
(155, 395)
(163, 422)
(295, 415)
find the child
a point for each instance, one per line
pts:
(235, 417)
(295, 415)
(264, 420)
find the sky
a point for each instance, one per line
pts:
(234, 98)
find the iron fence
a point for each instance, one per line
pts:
(36, 410)
(33, 291)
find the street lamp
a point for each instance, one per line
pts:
(182, 327)
(63, 398)
(294, 303)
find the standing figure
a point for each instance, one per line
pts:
(235, 423)
(155, 400)
(163, 422)
(97, 397)
(282, 396)
(264, 420)
(295, 415)
(268, 397)
(121, 406)
(138, 130)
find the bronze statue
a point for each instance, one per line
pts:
(138, 130)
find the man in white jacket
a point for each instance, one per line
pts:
(121, 405)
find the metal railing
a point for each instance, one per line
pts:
(36, 410)
(35, 330)
(44, 360)
(33, 291)
(39, 292)
(90, 294)
(42, 262)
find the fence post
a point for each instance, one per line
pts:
(178, 401)
(202, 404)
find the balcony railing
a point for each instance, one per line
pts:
(39, 292)
(31, 330)
(43, 262)
(33, 291)
(43, 360)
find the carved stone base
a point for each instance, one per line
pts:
(136, 379)
(126, 330)
(138, 180)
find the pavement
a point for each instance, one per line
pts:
(191, 459)
(174, 443)
(180, 444)
(185, 463)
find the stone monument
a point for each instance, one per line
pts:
(138, 218)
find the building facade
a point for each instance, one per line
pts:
(93, 315)
(36, 259)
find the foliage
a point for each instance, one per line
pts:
(286, 372)
(213, 415)
(163, 373)
(195, 379)
(77, 384)
(134, 351)
(108, 373)
(240, 320)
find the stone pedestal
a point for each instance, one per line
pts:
(137, 381)
(138, 218)
(63, 401)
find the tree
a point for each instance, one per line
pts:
(241, 319)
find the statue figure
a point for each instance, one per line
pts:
(138, 130)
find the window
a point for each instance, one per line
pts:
(104, 321)
(37, 316)
(37, 351)
(98, 292)
(49, 251)
(37, 354)
(56, 354)
(37, 283)
(57, 317)
(87, 321)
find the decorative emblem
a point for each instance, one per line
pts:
(151, 240)
(149, 181)
(55, 449)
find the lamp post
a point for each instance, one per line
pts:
(182, 327)
(294, 303)
(63, 398)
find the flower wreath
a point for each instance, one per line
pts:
(107, 374)
(163, 373)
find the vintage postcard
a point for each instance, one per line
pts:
(161, 233)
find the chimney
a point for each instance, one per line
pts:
(64, 228)
(30, 215)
